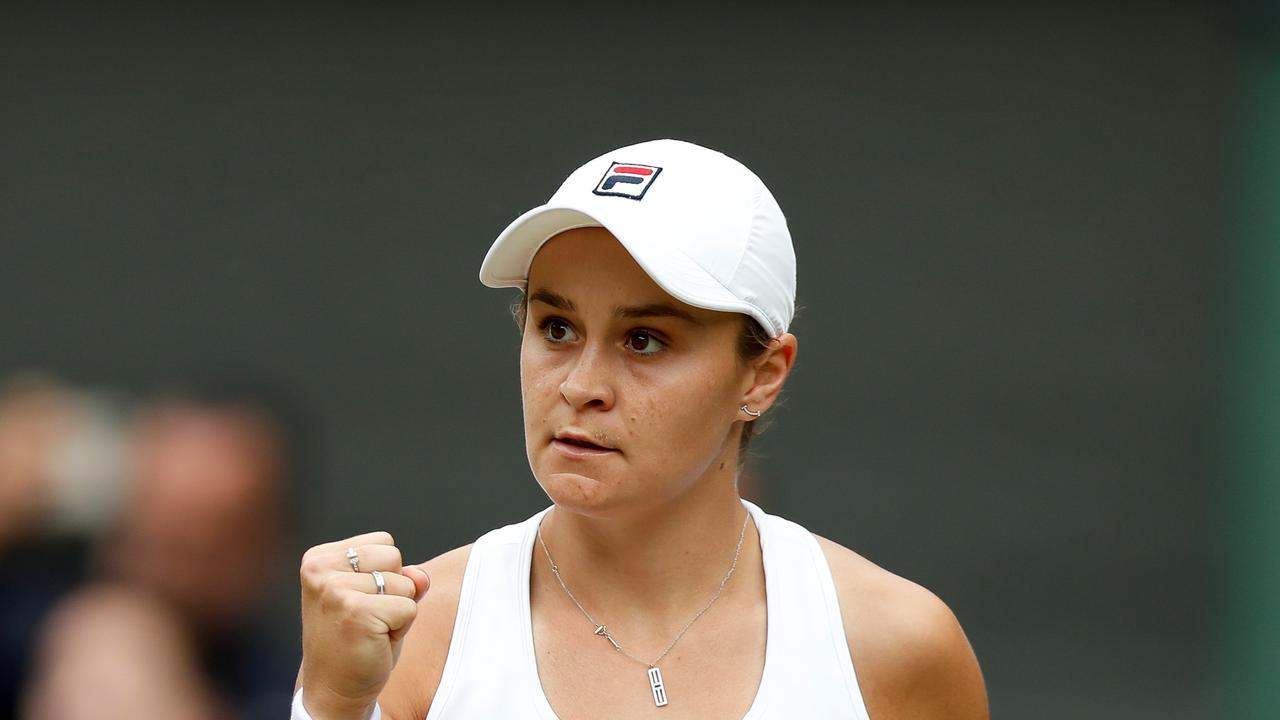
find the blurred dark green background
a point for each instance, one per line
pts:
(1014, 226)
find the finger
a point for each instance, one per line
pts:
(380, 537)
(396, 584)
(421, 580)
(394, 613)
(373, 557)
(368, 557)
(321, 560)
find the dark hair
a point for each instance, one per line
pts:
(753, 341)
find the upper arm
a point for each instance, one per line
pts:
(416, 677)
(912, 658)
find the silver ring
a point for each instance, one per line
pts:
(353, 557)
(379, 581)
(749, 411)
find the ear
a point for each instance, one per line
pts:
(770, 372)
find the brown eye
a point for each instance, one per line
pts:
(644, 343)
(557, 330)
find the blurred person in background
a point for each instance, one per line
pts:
(60, 482)
(165, 629)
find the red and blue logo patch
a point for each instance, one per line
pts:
(628, 180)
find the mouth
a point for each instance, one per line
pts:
(578, 445)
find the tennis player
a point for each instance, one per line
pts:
(658, 284)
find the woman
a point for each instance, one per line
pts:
(659, 282)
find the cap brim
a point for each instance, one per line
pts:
(509, 258)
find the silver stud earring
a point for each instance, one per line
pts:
(749, 411)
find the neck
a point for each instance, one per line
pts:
(653, 567)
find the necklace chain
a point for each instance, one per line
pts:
(604, 632)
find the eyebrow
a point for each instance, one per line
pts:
(561, 302)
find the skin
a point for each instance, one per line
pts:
(34, 415)
(185, 564)
(114, 651)
(609, 355)
(202, 517)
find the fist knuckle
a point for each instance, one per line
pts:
(329, 600)
(312, 567)
(326, 584)
(350, 605)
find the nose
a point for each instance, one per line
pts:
(588, 384)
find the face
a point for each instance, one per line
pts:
(201, 518)
(630, 396)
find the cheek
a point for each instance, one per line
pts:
(681, 408)
(538, 385)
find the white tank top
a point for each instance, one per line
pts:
(491, 671)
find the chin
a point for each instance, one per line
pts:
(580, 494)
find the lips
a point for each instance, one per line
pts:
(579, 444)
(580, 440)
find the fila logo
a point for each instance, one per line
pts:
(628, 180)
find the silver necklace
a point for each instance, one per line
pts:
(655, 674)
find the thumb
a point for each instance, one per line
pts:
(421, 581)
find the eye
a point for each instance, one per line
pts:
(557, 331)
(644, 342)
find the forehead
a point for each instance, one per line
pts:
(589, 267)
(584, 254)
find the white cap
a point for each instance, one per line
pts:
(698, 222)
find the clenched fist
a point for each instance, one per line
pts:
(351, 628)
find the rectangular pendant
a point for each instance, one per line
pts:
(659, 690)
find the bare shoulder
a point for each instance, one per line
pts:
(416, 677)
(912, 658)
(115, 651)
